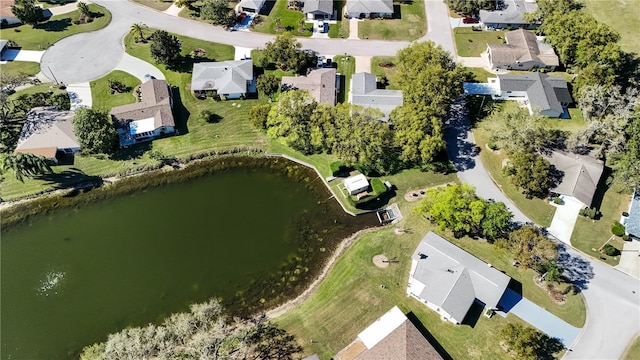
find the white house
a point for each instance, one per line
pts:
(356, 184)
(449, 280)
(369, 8)
(147, 119)
(231, 79)
(46, 132)
(250, 6)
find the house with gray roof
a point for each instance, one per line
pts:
(46, 132)
(509, 15)
(548, 95)
(369, 8)
(391, 336)
(250, 6)
(449, 280)
(523, 51)
(148, 118)
(320, 83)
(364, 92)
(581, 174)
(231, 79)
(632, 221)
(7, 18)
(318, 9)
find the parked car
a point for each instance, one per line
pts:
(469, 20)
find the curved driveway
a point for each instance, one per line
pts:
(612, 298)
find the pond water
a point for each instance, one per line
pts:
(253, 236)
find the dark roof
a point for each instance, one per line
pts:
(581, 175)
(522, 46)
(544, 92)
(321, 83)
(404, 343)
(512, 13)
(633, 222)
(318, 6)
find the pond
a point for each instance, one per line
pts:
(254, 234)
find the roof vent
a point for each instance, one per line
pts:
(451, 271)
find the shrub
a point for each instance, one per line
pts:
(491, 145)
(591, 213)
(617, 229)
(558, 201)
(610, 250)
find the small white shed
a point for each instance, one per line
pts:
(356, 184)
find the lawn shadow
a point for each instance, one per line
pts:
(473, 315)
(427, 335)
(379, 202)
(603, 186)
(180, 112)
(54, 25)
(577, 270)
(72, 178)
(397, 13)
(267, 7)
(342, 91)
(131, 152)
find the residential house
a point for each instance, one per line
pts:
(365, 93)
(632, 220)
(369, 8)
(391, 336)
(548, 95)
(581, 175)
(231, 79)
(509, 15)
(320, 83)
(356, 184)
(147, 119)
(250, 6)
(449, 280)
(318, 9)
(6, 15)
(523, 51)
(48, 132)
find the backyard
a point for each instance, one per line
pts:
(408, 23)
(43, 35)
(470, 43)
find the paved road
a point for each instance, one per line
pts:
(439, 25)
(612, 297)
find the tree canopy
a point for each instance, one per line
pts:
(26, 165)
(165, 48)
(27, 11)
(470, 7)
(95, 131)
(268, 84)
(531, 248)
(527, 343)
(286, 52)
(218, 12)
(530, 172)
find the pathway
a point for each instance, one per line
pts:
(63, 9)
(630, 259)
(564, 219)
(80, 95)
(242, 53)
(353, 29)
(173, 10)
(363, 64)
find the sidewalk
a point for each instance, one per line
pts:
(173, 10)
(363, 64)
(353, 29)
(630, 259)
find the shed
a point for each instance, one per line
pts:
(356, 184)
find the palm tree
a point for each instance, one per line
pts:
(137, 30)
(301, 23)
(278, 22)
(25, 164)
(84, 9)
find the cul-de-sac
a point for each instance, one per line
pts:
(319, 179)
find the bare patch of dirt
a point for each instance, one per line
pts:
(381, 261)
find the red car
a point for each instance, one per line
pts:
(469, 20)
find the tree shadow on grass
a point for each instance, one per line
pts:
(379, 202)
(427, 335)
(575, 269)
(72, 178)
(55, 25)
(180, 112)
(134, 151)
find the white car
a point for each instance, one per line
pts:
(321, 26)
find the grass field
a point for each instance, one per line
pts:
(390, 72)
(480, 75)
(408, 23)
(289, 20)
(622, 16)
(471, 43)
(155, 4)
(26, 67)
(346, 68)
(633, 352)
(45, 34)
(341, 28)
(101, 97)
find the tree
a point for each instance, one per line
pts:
(9, 81)
(84, 9)
(627, 165)
(531, 248)
(289, 120)
(286, 52)
(258, 115)
(527, 343)
(497, 220)
(94, 131)
(268, 84)
(27, 11)
(470, 7)
(530, 172)
(165, 48)
(218, 12)
(138, 31)
(26, 165)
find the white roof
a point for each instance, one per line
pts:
(382, 327)
(356, 182)
(144, 125)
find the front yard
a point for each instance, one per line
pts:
(471, 43)
(385, 66)
(289, 20)
(408, 23)
(101, 96)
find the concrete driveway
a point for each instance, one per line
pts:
(138, 68)
(564, 219)
(630, 259)
(22, 55)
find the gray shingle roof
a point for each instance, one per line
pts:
(251, 4)
(321, 83)
(156, 103)
(318, 7)
(453, 278)
(364, 92)
(513, 13)
(522, 46)
(227, 77)
(47, 128)
(355, 7)
(544, 92)
(633, 222)
(581, 175)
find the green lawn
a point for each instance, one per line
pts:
(471, 43)
(45, 34)
(390, 72)
(289, 21)
(622, 16)
(101, 96)
(346, 68)
(589, 234)
(155, 4)
(480, 75)
(341, 28)
(26, 67)
(633, 351)
(408, 23)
